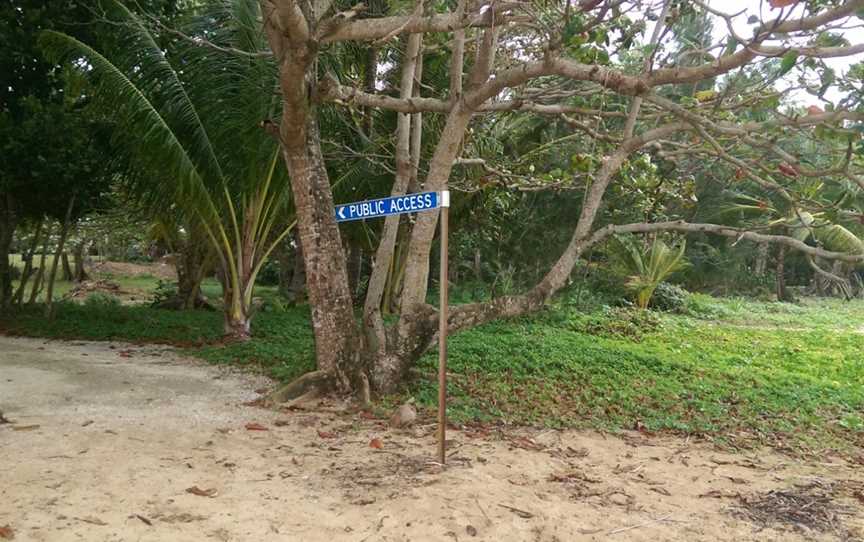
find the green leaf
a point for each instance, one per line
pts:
(789, 60)
(731, 45)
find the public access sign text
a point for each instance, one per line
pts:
(374, 208)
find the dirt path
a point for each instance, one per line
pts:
(123, 431)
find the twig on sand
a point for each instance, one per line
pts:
(631, 527)
(521, 513)
(488, 521)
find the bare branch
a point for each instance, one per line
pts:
(726, 231)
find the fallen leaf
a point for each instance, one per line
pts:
(471, 530)
(88, 422)
(281, 423)
(376, 443)
(366, 415)
(661, 490)
(735, 480)
(326, 434)
(195, 490)
(25, 427)
(145, 520)
(781, 3)
(256, 427)
(6, 532)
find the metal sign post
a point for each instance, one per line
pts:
(443, 315)
(416, 203)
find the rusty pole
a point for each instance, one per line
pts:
(442, 328)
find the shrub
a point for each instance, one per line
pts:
(625, 322)
(101, 300)
(705, 307)
(269, 274)
(164, 291)
(669, 297)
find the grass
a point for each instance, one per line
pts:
(789, 375)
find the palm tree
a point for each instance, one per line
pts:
(191, 119)
(647, 267)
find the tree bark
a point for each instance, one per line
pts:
(780, 275)
(28, 263)
(760, 267)
(64, 232)
(67, 268)
(191, 269)
(8, 223)
(296, 292)
(79, 271)
(40, 273)
(337, 344)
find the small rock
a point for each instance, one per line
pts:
(404, 416)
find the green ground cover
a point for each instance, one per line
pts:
(733, 370)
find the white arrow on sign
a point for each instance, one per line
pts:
(341, 212)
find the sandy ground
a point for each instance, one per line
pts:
(106, 439)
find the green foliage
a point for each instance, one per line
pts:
(101, 301)
(766, 373)
(645, 267)
(269, 274)
(165, 290)
(620, 322)
(758, 373)
(669, 297)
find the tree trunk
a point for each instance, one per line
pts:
(337, 344)
(296, 292)
(191, 269)
(237, 323)
(64, 232)
(780, 275)
(79, 272)
(28, 263)
(760, 267)
(355, 261)
(40, 272)
(67, 268)
(284, 256)
(8, 223)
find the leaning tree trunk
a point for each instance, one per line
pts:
(38, 281)
(64, 232)
(8, 223)
(28, 263)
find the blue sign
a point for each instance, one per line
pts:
(374, 208)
